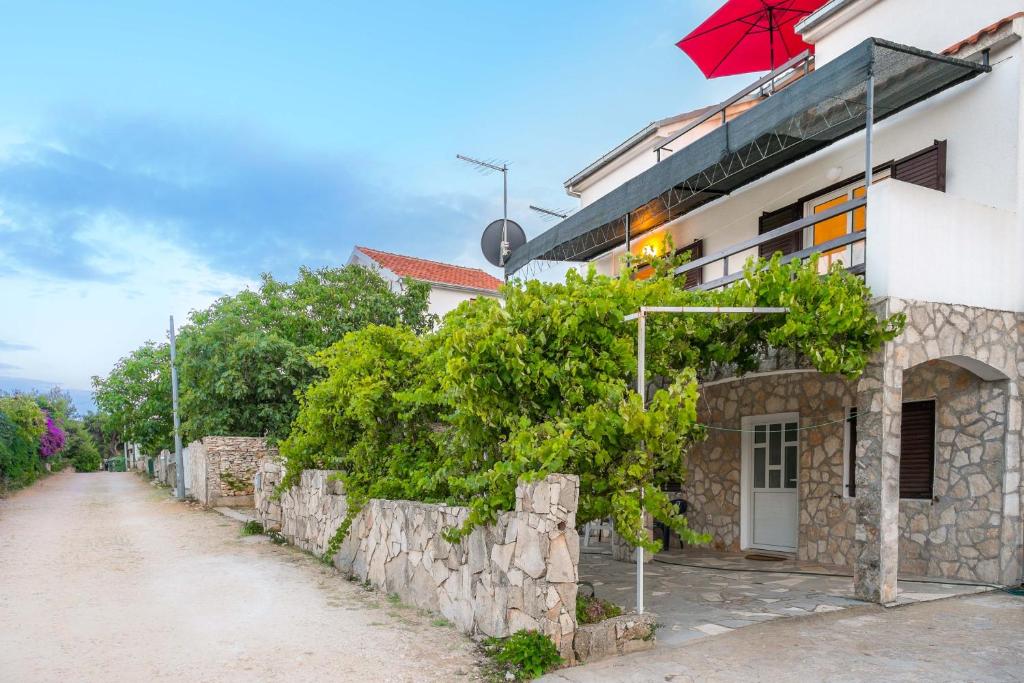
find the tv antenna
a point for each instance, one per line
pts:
(495, 250)
(548, 214)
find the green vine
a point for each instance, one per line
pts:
(546, 384)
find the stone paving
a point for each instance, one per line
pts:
(697, 593)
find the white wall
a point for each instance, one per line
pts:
(928, 24)
(927, 245)
(444, 299)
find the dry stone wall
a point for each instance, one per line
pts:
(222, 469)
(518, 573)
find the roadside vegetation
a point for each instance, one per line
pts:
(523, 656)
(348, 375)
(40, 433)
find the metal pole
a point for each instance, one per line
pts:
(869, 116)
(179, 461)
(125, 444)
(641, 387)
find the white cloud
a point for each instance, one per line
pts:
(80, 328)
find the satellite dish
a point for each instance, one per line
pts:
(491, 242)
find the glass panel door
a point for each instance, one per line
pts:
(775, 456)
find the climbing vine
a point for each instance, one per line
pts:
(546, 383)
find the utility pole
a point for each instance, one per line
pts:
(179, 461)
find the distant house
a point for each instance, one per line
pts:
(450, 285)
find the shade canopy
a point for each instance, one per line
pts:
(810, 114)
(748, 35)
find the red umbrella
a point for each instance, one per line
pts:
(748, 35)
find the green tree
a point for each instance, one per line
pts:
(81, 450)
(243, 359)
(134, 399)
(546, 383)
(22, 423)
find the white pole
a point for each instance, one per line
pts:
(641, 387)
(179, 462)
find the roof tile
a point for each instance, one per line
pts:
(433, 271)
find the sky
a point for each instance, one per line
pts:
(157, 155)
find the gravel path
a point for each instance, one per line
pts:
(103, 577)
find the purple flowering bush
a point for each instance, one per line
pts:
(52, 439)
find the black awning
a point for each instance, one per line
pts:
(810, 114)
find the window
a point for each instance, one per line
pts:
(917, 450)
(837, 226)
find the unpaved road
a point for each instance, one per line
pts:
(105, 578)
(973, 638)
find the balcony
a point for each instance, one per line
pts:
(870, 82)
(847, 248)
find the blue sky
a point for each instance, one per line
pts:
(156, 155)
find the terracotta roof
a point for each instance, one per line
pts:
(433, 271)
(972, 39)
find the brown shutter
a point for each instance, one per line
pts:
(696, 250)
(787, 244)
(917, 449)
(851, 456)
(926, 168)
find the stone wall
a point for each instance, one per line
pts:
(960, 535)
(620, 635)
(306, 515)
(517, 573)
(222, 469)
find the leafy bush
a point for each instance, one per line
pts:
(591, 609)
(22, 425)
(546, 383)
(524, 654)
(81, 450)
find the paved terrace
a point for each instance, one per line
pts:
(698, 593)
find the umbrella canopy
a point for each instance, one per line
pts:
(748, 35)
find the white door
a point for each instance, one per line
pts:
(772, 458)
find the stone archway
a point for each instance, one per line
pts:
(988, 344)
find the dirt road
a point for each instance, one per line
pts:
(103, 577)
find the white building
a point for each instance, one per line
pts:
(929, 94)
(450, 285)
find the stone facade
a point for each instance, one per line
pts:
(221, 469)
(518, 573)
(990, 344)
(970, 531)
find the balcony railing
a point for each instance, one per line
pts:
(800, 225)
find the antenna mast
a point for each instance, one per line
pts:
(503, 169)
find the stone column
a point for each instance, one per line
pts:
(876, 542)
(1011, 541)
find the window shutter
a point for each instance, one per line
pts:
(695, 276)
(917, 449)
(926, 168)
(787, 244)
(851, 456)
